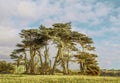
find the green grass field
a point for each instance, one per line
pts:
(20, 78)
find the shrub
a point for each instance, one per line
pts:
(6, 67)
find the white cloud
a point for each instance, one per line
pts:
(87, 12)
(115, 17)
(71, 9)
(5, 52)
(115, 20)
(26, 9)
(108, 54)
(104, 31)
(8, 35)
(102, 9)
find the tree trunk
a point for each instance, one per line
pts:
(32, 54)
(68, 66)
(32, 70)
(81, 68)
(46, 59)
(41, 62)
(46, 54)
(55, 63)
(64, 64)
(26, 63)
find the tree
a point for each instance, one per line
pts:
(61, 36)
(29, 40)
(89, 65)
(45, 37)
(17, 57)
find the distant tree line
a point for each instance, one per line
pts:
(33, 50)
(112, 72)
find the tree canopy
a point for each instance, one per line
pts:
(33, 51)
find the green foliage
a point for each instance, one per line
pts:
(6, 67)
(33, 51)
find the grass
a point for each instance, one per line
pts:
(20, 78)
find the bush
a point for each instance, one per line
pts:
(6, 68)
(110, 73)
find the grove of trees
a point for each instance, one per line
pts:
(33, 51)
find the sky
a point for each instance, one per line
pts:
(99, 19)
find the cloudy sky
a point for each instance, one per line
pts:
(100, 19)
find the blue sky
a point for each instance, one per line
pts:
(99, 19)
